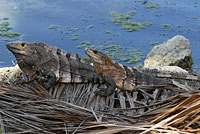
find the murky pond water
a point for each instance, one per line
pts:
(67, 24)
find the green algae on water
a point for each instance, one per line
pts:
(125, 21)
(4, 24)
(107, 32)
(53, 27)
(74, 38)
(4, 29)
(166, 26)
(8, 34)
(5, 18)
(147, 23)
(85, 43)
(119, 18)
(195, 2)
(131, 13)
(139, 65)
(194, 18)
(73, 29)
(7, 40)
(153, 5)
(90, 26)
(154, 43)
(121, 54)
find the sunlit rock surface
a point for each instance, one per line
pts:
(173, 52)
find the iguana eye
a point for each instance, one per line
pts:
(95, 51)
(22, 44)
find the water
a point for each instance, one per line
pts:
(31, 18)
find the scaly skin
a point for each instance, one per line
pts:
(125, 78)
(50, 65)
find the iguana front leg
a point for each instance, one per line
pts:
(110, 89)
(33, 77)
(46, 78)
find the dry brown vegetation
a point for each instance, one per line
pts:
(28, 108)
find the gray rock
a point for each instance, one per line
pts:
(174, 52)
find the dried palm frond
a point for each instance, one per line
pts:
(185, 116)
(24, 109)
(29, 108)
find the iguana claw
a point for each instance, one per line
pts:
(110, 89)
(105, 91)
(46, 78)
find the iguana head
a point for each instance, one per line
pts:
(33, 56)
(102, 63)
(98, 57)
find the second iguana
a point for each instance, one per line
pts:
(130, 78)
(123, 77)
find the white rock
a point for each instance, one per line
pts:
(10, 73)
(174, 52)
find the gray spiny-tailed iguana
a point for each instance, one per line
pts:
(50, 65)
(123, 77)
